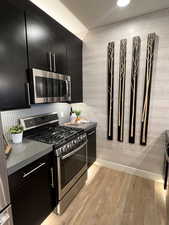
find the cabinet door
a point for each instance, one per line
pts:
(74, 60)
(91, 146)
(39, 37)
(13, 58)
(31, 193)
(58, 46)
(44, 35)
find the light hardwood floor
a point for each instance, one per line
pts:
(115, 198)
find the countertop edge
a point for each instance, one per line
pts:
(26, 162)
(85, 126)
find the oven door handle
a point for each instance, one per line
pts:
(72, 153)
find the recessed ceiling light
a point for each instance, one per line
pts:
(123, 3)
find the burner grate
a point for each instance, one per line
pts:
(55, 135)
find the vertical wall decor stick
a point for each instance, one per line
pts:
(110, 73)
(121, 96)
(147, 87)
(133, 91)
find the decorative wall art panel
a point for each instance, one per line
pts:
(121, 96)
(133, 91)
(147, 87)
(110, 73)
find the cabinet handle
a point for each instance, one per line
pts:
(52, 184)
(27, 174)
(74, 151)
(93, 132)
(50, 61)
(54, 62)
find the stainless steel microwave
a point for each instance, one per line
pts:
(48, 87)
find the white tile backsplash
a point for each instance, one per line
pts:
(10, 118)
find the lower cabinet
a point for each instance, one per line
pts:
(91, 146)
(32, 192)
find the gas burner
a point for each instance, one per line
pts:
(56, 135)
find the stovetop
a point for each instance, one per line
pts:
(56, 135)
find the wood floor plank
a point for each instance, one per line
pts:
(115, 198)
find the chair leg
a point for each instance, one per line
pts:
(166, 175)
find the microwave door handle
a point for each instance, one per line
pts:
(73, 152)
(67, 89)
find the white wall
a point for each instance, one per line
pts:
(10, 118)
(149, 158)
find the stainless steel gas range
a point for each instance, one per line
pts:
(70, 154)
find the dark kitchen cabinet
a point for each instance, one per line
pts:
(74, 58)
(27, 36)
(44, 35)
(32, 192)
(91, 146)
(13, 58)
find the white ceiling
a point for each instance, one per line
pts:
(79, 16)
(94, 13)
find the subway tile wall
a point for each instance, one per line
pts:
(10, 118)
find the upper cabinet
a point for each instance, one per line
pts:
(13, 58)
(45, 36)
(28, 36)
(74, 60)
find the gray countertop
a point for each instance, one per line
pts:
(25, 153)
(29, 151)
(85, 126)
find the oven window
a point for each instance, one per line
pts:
(41, 87)
(72, 165)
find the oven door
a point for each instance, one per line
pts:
(48, 87)
(70, 168)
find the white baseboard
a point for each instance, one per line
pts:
(130, 170)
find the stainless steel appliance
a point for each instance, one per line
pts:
(5, 207)
(71, 170)
(48, 87)
(70, 148)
